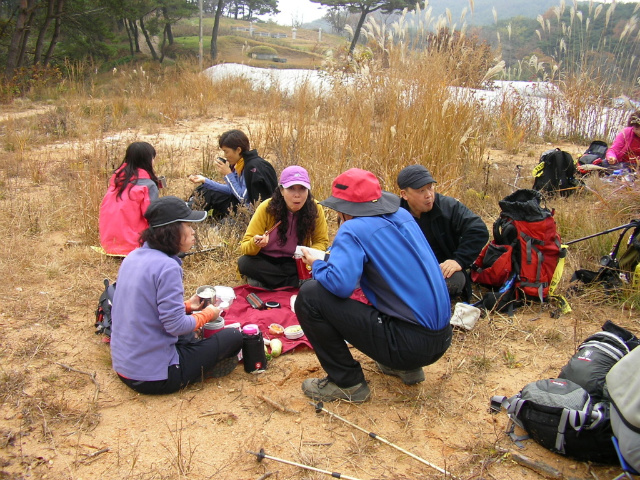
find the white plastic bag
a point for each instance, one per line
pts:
(465, 316)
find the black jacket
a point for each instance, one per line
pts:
(452, 230)
(259, 177)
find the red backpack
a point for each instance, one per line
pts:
(525, 248)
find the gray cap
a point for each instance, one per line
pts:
(166, 210)
(414, 176)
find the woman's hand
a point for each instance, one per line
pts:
(261, 240)
(216, 311)
(196, 303)
(223, 167)
(197, 179)
(611, 160)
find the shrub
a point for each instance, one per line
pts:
(262, 50)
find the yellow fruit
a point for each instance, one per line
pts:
(276, 347)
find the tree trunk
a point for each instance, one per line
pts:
(167, 26)
(134, 33)
(25, 39)
(129, 35)
(147, 37)
(214, 32)
(164, 41)
(356, 34)
(15, 46)
(51, 8)
(56, 33)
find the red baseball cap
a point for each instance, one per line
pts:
(357, 192)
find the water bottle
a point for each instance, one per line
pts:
(253, 354)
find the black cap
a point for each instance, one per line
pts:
(414, 176)
(166, 210)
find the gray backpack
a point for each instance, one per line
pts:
(560, 415)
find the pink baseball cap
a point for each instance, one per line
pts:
(295, 175)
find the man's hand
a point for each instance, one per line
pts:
(308, 256)
(449, 267)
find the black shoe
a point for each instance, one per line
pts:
(223, 368)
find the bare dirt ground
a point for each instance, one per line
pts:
(65, 415)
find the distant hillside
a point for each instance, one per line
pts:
(483, 9)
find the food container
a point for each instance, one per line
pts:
(224, 295)
(293, 332)
(213, 327)
(276, 329)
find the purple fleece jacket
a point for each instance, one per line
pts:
(148, 315)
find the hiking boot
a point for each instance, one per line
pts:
(326, 391)
(223, 368)
(409, 377)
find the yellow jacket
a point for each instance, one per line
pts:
(262, 221)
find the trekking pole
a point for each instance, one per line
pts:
(320, 408)
(634, 223)
(515, 182)
(261, 455)
(205, 250)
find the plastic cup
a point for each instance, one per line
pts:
(304, 270)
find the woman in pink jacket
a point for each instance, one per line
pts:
(131, 189)
(625, 149)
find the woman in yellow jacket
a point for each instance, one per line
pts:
(267, 256)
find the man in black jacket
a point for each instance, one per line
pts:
(456, 234)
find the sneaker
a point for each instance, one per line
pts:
(325, 390)
(223, 368)
(409, 377)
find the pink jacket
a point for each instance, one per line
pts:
(626, 147)
(122, 219)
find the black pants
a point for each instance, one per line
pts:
(328, 321)
(219, 203)
(456, 283)
(196, 358)
(274, 272)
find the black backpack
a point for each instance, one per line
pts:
(595, 154)
(103, 322)
(595, 356)
(555, 173)
(561, 416)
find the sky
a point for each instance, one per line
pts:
(303, 10)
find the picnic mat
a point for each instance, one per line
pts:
(240, 311)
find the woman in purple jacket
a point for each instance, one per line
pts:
(153, 349)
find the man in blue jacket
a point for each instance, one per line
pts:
(456, 234)
(380, 248)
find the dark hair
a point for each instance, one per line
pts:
(165, 238)
(139, 155)
(307, 216)
(634, 119)
(234, 139)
